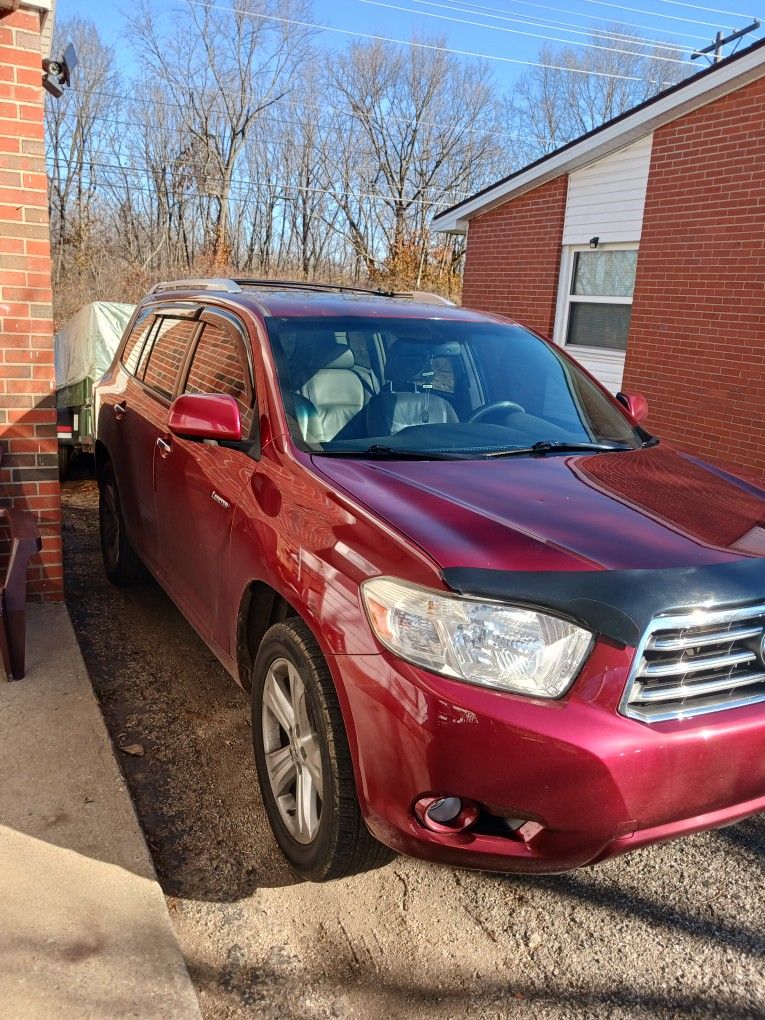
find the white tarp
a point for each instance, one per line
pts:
(85, 346)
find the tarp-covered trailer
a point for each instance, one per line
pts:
(84, 349)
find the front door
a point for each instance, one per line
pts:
(198, 483)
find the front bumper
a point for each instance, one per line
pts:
(597, 783)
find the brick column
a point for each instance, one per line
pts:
(29, 474)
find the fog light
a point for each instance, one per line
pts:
(446, 813)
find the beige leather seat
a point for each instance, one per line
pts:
(409, 400)
(335, 392)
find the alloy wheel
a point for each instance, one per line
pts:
(292, 751)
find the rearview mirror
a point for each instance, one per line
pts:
(205, 416)
(636, 405)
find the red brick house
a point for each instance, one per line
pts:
(641, 248)
(29, 474)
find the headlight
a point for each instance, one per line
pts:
(486, 643)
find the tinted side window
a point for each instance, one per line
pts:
(358, 344)
(166, 355)
(218, 367)
(443, 375)
(134, 345)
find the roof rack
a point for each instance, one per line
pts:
(306, 285)
(225, 286)
(215, 283)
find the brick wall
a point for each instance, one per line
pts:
(29, 475)
(697, 337)
(513, 257)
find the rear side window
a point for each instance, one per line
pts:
(167, 353)
(134, 345)
(218, 366)
(443, 375)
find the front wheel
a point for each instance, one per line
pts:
(304, 762)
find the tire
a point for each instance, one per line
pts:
(64, 460)
(316, 819)
(121, 562)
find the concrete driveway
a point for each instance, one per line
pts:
(677, 930)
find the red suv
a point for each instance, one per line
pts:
(484, 616)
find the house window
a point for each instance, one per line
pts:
(599, 299)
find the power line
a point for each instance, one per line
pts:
(650, 14)
(563, 10)
(422, 46)
(244, 186)
(709, 10)
(264, 115)
(500, 14)
(270, 119)
(516, 31)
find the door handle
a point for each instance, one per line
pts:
(164, 446)
(119, 410)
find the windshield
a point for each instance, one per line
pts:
(418, 386)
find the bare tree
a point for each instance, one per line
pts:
(240, 148)
(225, 68)
(79, 128)
(426, 130)
(578, 89)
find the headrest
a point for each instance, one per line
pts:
(407, 360)
(326, 352)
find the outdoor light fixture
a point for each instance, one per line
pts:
(58, 73)
(594, 241)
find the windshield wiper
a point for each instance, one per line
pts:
(396, 453)
(546, 446)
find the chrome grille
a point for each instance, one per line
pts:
(700, 662)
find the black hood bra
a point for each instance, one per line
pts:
(618, 604)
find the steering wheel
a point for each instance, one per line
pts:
(497, 405)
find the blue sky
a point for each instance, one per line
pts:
(688, 25)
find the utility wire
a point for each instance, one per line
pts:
(110, 120)
(516, 31)
(650, 14)
(244, 186)
(709, 10)
(609, 18)
(264, 115)
(419, 45)
(537, 21)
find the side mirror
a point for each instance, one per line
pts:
(205, 416)
(636, 404)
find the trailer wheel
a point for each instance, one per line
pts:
(64, 460)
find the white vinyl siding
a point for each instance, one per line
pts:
(607, 198)
(606, 366)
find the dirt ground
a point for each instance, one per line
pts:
(677, 930)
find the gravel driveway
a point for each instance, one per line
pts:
(677, 930)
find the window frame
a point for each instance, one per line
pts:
(161, 316)
(140, 318)
(159, 312)
(231, 323)
(566, 299)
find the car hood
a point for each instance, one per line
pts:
(653, 508)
